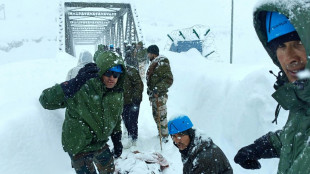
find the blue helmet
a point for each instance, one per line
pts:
(179, 124)
(277, 25)
(117, 68)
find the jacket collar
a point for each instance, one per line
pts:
(293, 96)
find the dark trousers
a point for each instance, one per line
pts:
(130, 118)
(84, 163)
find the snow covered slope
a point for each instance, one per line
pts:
(230, 103)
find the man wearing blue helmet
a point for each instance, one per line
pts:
(199, 153)
(283, 28)
(94, 104)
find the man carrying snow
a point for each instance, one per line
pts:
(159, 78)
(94, 104)
(199, 153)
(85, 58)
(283, 29)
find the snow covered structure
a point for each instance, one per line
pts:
(198, 37)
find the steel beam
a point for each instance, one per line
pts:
(88, 28)
(99, 5)
(92, 13)
(89, 22)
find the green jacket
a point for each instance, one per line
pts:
(99, 51)
(203, 156)
(159, 76)
(133, 86)
(93, 113)
(141, 54)
(293, 141)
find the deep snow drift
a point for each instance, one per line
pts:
(230, 103)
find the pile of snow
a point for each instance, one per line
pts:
(230, 103)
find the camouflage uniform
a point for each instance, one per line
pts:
(162, 109)
(159, 78)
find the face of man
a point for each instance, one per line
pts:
(292, 57)
(181, 140)
(151, 56)
(109, 80)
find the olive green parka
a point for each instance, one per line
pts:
(93, 113)
(133, 86)
(292, 142)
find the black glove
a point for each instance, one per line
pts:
(117, 142)
(72, 86)
(248, 156)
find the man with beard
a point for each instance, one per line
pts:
(159, 78)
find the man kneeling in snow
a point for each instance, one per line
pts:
(199, 154)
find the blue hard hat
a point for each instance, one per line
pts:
(179, 124)
(117, 68)
(111, 46)
(277, 25)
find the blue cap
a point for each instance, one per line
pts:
(179, 124)
(277, 25)
(117, 68)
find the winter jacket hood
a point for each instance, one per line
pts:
(298, 14)
(85, 58)
(107, 60)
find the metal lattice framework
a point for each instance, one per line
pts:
(98, 23)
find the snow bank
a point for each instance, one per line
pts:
(230, 103)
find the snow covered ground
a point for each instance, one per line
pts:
(229, 102)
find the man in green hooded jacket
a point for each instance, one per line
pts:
(94, 104)
(283, 27)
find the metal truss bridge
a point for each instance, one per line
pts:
(88, 23)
